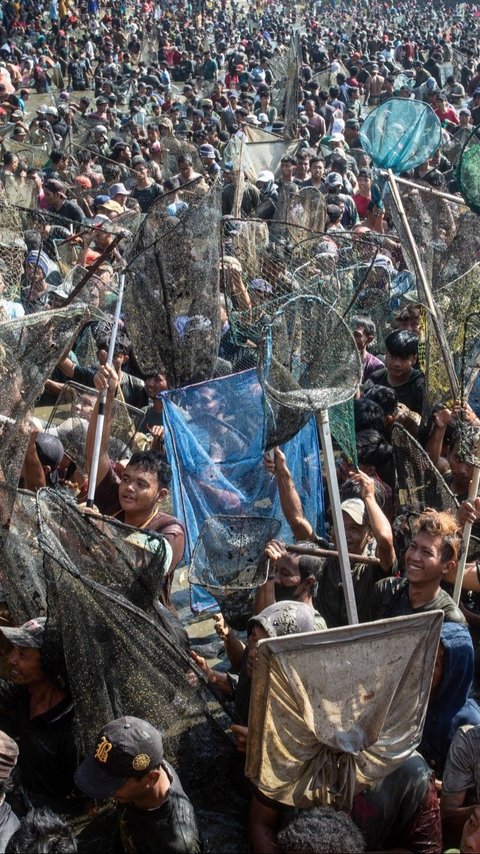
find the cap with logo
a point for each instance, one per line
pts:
(127, 747)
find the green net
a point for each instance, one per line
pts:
(468, 174)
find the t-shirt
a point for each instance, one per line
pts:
(462, 768)
(170, 828)
(330, 600)
(410, 393)
(370, 364)
(107, 501)
(390, 599)
(48, 757)
(145, 196)
(69, 210)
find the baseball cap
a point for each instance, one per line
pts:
(8, 755)
(355, 509)
(265, 176)
(465, 112)
(54, 186)
(115, 189)
(251, 119)
(284, 618)
(333, 180)
(112, 206)
(50, 452)
(51, 110)
(100, 200)
(365, 172)
(29, 636)
(127, 747)
(100, 129)
(206, 151)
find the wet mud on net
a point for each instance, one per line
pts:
(126, 654)
(227, 563)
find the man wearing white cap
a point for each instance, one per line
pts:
(368, 532)
(119, 193)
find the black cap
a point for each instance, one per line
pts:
(127, 747)
(50, 452)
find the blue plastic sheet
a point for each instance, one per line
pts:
(400, 134)
(215, 439)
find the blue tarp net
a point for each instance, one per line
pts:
(401, 134)
(215, 439)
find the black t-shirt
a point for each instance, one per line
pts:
(69, 211)
(170, 829)
(146, 196)
(330, 599)
(48, 757)
(390, 599)
(410, 393)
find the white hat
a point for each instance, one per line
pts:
(118, 189)
(355, 509)
(264, 177)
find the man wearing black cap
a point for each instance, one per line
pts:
(127, 765)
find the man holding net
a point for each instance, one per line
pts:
(367, 531)
(135, 498)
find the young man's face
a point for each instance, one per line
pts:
(155, 384)
(138, 491)
(286, 171)
(399, 367)
(461, 470)
(25, 666)
(356, 535)
(361, 338)
(423, 559)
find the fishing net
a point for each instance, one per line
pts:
(227, 563)
(455, 302)
(419, 483)
(400, 134)
(21, 577)
(468, 172)
(312, 743)
(123, 651)
(292, 87)
(70, 417)
(456, 257)
(12, 250)
(215, 433)
(172, 298)
(342, 425)
(29, 350)
(309, 360)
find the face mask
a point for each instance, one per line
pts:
(284, 593)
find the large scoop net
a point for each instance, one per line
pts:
(309, 360)
(227, 563)
(29, 350)
(70, 417)
(400, 134)
(21, 575)
(173, 298)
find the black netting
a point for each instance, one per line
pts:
(124, 652)
(29, 350)
(172, 297)
(309, 360)
(419, 483)
(21, 575)
(227, 562)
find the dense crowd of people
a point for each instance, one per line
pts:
(113, 116)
